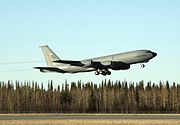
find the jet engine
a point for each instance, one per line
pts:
(91, 63)
(119, 66)
(116, 65)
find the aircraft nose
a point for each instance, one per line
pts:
(154, 54)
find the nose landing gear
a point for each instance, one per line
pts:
(142, 65)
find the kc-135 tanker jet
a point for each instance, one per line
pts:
(100, 65)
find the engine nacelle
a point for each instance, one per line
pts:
(116, 65)
(91, 63)
(119, 66)
(107, 64)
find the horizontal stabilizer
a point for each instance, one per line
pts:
(74, 63)
(53, 69)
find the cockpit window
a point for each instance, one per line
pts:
(148, 51)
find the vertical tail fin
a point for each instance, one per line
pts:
(49, 55)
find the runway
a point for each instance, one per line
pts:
(89, 116)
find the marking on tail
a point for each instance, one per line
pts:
(49, 55)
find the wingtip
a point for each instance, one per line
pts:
(35, 67)
(43, 46)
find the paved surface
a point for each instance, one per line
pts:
(90, 116)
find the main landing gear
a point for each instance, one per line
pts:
(104, 72)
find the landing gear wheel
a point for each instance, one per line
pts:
(142, 65)
(96, 72)
(102, 72)
(108, 73)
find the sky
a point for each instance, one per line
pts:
(80, 29)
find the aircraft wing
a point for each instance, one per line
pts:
(97, 65)
(115, 65)
(53, 69)
(73, 63)
(92, 64)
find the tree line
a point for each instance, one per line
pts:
(79, 97)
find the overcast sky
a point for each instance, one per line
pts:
(80, 29)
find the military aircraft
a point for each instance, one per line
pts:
(100, 65)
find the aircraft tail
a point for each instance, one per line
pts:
(49, 55)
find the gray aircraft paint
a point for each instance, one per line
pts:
(102, 63)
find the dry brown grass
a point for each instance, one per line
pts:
(87, 121)
(90, 122)
(76, 114)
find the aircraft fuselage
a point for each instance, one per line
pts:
(100, 65)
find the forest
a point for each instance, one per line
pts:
(79, 97)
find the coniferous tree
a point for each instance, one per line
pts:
(107, 97)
